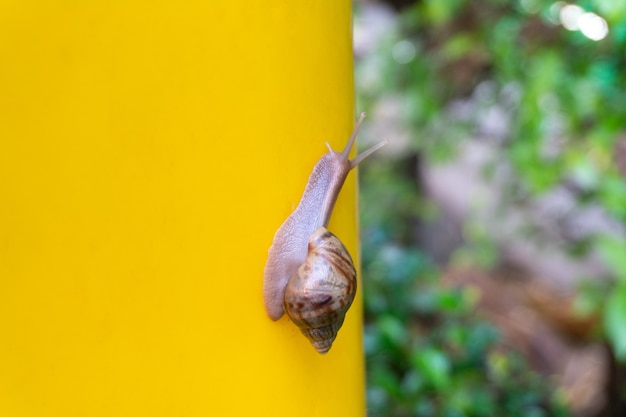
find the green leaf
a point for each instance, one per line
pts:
(459, 46)
(499, 366)
(610, 9)
(440, 11)
(613, 252)
(387, 380)
(612, 194)
(434, 366)
(585, 173)
(615, 321)
(392, 330)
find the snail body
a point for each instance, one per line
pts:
(309, 273)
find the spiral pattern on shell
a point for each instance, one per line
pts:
(319, 294)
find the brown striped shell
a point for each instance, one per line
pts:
(319, 294)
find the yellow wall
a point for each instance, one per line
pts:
(148, 152)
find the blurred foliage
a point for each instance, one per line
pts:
(565, 98)
(428, 354)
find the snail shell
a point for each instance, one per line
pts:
(319, 294)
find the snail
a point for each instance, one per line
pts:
(309, 273)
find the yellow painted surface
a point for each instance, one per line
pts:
(148, 152)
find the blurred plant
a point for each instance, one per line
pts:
(427, 353)
(555, 72)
